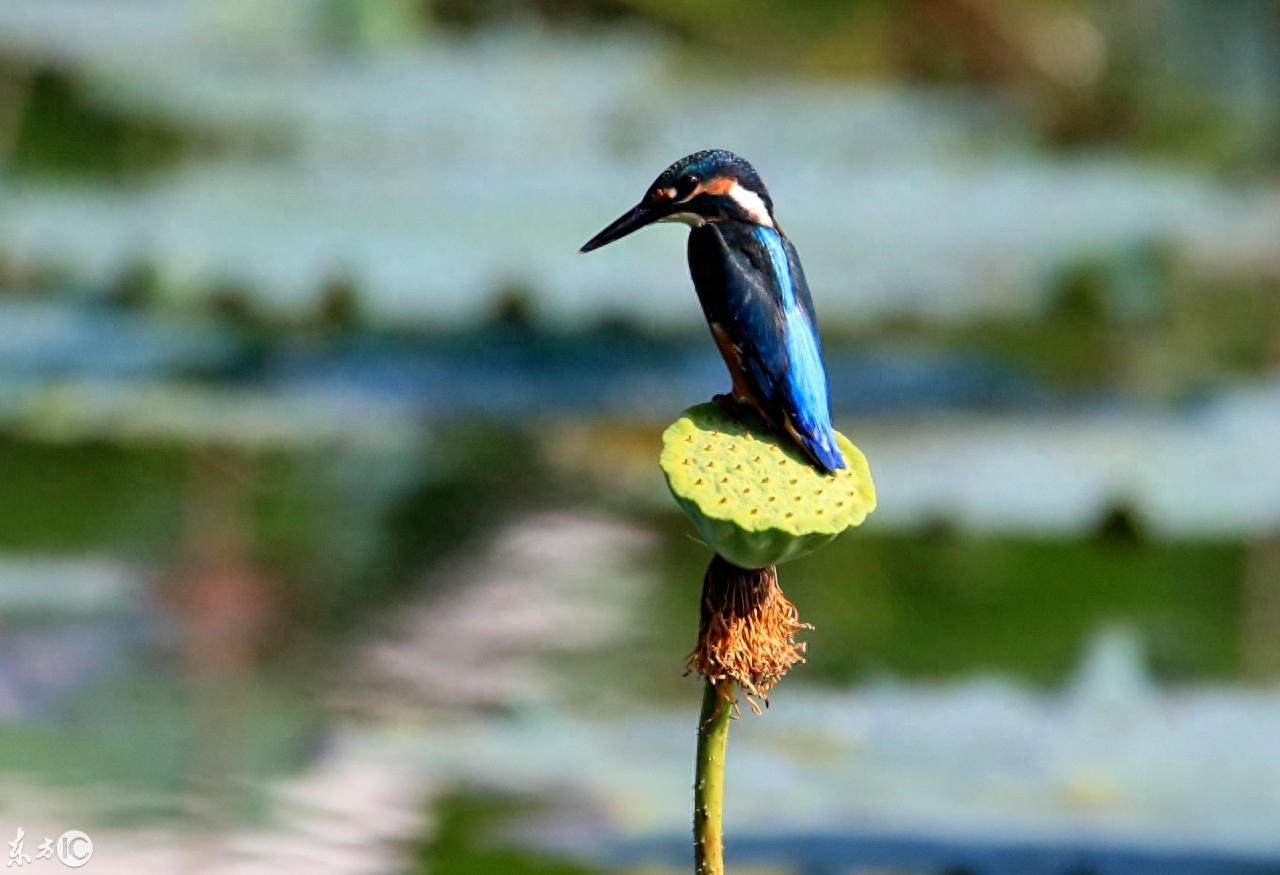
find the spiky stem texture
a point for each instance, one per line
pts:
(708, 786)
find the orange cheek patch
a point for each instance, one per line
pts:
(719, 186)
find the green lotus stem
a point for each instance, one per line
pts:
(708, 786)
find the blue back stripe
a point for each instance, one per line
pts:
(807, 379)
(781, 266)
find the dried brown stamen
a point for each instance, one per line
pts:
(747, 629)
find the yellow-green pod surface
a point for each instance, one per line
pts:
(753, 494)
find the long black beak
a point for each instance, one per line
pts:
(634, 220)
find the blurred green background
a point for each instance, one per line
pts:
(331, 532)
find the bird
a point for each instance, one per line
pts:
(752, 289)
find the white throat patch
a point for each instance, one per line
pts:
(693, 220)
(752, 204)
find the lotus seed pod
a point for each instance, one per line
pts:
(753, 494)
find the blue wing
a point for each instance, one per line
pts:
(755, 297)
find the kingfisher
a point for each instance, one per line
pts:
(752, 291)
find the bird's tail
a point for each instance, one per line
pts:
(825, 450)
(820, 445)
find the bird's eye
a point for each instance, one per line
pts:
(685, 185)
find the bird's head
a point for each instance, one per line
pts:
(710, 186)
